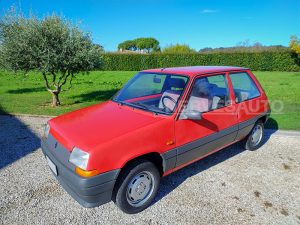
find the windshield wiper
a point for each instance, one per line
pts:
(119, 102)
(140, 104)
(148, 108)
(133, 104)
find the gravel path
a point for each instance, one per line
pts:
(230, 187)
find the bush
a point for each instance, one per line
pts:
(270, 61)
(295, 44)
(178, 49)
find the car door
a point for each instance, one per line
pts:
(210, 95)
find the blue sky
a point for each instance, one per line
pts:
(199, 23)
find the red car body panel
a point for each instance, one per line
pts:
(121, 131)
(114, 134)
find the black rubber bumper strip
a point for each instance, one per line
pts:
(89, 192)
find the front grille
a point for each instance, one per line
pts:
(59, 152)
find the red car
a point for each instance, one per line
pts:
(159, 122)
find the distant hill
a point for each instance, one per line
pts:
(253, 48)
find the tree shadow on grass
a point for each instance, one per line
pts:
(26, 90)
(16, 139)
(172, 181)
(95, 96)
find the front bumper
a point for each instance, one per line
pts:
(88, 192)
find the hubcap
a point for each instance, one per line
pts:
(256, 135)
(140, 188)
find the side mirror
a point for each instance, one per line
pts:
(193, 115)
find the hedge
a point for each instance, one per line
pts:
(264, 61)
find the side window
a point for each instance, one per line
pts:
(208, 93)
(243, 86)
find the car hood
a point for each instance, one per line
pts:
(88, 127)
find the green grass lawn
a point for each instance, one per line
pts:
(26, 94)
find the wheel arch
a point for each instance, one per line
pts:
(154, 157)
(263, 119)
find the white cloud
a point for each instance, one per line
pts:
(205, 11)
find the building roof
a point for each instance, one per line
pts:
(194, 70)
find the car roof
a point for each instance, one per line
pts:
(194, 70)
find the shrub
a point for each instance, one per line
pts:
(178, 48)
(271, 61)
(295, 44)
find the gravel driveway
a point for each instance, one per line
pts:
(229, 187)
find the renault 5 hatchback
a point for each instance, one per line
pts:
(159, 122)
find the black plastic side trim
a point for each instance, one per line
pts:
(210, 138)
(205, 149)
(248, 122)
(169, 154)
(170, 163)
(195, 149)
(243, 132)
(246, 126)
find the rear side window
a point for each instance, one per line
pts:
(243, 86)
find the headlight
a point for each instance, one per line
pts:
(79, 158)
(46, 131)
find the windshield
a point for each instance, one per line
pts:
(158, 93)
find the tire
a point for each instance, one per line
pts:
(254, 140)
(137, 186)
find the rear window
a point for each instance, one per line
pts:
(243, 86)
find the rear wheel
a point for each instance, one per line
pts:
(137, 186)
(255, 138)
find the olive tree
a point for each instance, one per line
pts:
(53, 46)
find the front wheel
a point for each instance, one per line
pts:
(137, 186)
(254, 140)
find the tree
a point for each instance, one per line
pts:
(1, 57)
(148, 44)
(128, 45)
(295, 44)
(178, 48)
(53, 46)
(245, 43)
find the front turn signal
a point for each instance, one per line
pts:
(86, 173)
